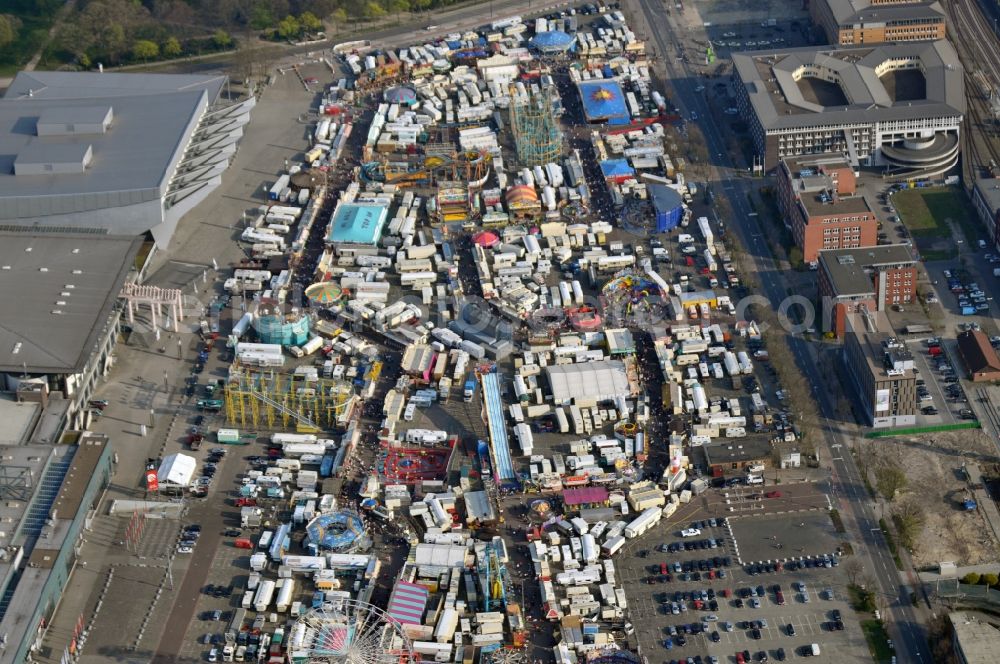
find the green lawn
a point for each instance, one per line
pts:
(925, 210)
(877, 640)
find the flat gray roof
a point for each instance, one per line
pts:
(152, 119)
(19, 419)
(850, 269)
(90, 85)
(771, 81)
(874, 335)
(23, 466)
(736, 450)
(59, 290)
(989, 189)
(851, 12)
(842, 205)
(978, 639)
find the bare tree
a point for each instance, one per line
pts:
(889, 479)
(910, 519)
(853, 568)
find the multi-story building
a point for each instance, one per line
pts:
(50, 492)
(127, 154)
(816, 195)
(895, 106)
(986, 200)
(864, 279)
(864, 22)
(882, 370)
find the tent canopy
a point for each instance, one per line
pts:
(177, 470)
(602, 381)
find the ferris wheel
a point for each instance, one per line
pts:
(508, 656)
(350, 632)
(615, 656)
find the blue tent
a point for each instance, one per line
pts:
(553, 41)
(604, 101)
(616, 168)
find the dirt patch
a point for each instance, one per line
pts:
(933, 467)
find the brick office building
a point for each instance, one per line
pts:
(867, 279)
(861, 22)
(817, 197)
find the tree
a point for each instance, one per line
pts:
(989, 579)
(420, 5)
(795, 257)
(853, 569)
(339, 18)
(9, 25)
(261, 17)
(866, 596)
(171, 48)
(889, 479)
(972, 578)
(289, 28)
(397, 7)
(309, 22)
(910, 518)
(145, 50)
(112, 41)
(373, 10)
(221, 39)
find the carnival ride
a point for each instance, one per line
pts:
(613, 656)
(629, 292)
(325, 293)
(507, 656)
(348, 631)
(493, 579)
(411, 465)
(342, 531)
(537, 135)
(266, 398)
(471, 167)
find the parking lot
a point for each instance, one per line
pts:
(751, 36)
(947, 399)
(783, 537)
(687, 614)
(703, 606)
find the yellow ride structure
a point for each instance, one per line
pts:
(266, 399)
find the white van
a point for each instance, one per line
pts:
(755, 479)
(815, 649)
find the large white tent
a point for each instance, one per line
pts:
(604, 381)
(177, 470)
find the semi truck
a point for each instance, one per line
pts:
(265, 592)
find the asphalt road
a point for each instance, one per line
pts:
(904, 628)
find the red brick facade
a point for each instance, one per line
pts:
(816, 195)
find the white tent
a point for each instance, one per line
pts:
(603, 381)
(177, 470)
